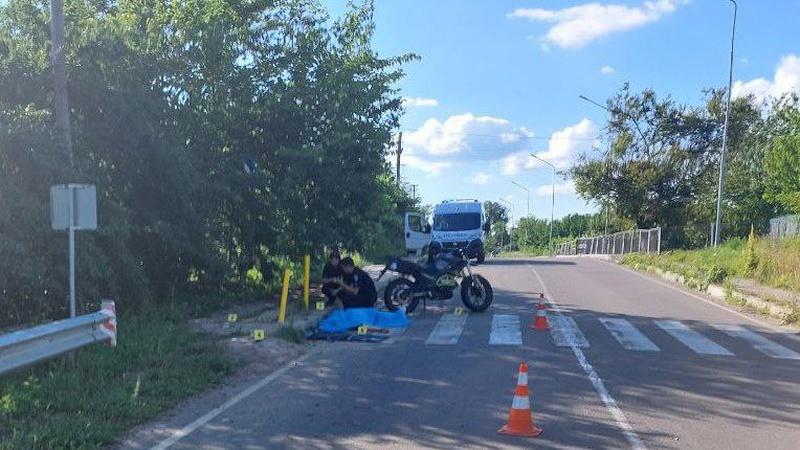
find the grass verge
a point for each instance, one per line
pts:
(158, 362)
(706, 266)
(772, 262)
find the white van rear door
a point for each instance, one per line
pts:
(416, 237)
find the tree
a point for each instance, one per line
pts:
(658, 150)
(221, 137)
(497, 215)
(782, 157)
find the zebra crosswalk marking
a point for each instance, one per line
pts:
(692, 339)
(506, 330)
(628, 335)
(565, 332)
(448, 330)
(758, 342)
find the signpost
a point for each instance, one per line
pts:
(73, 207)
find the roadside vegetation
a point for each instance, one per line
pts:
(158, 362)
(772, 262)
(226, 140)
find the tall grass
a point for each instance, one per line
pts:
(158, 362)
(773, 262)
(778, 263)
(706, 266)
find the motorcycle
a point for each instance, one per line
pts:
(436, 279)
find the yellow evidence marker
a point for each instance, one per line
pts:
(258, 335)
(362, 329)
(232, 317)
(320, 305)
(459, 311)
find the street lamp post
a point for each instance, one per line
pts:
(718, 223)
(529, 207)
(511, 233)
(552, 202)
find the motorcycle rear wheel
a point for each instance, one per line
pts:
(476, 293)
(399, 293)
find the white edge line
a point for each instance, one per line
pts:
(597, 382)
(192, 427)
(695, 296)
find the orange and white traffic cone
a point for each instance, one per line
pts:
(540, 323)
(520, 418)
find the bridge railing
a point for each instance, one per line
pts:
(623, 242)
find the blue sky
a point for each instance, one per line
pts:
(500, 80)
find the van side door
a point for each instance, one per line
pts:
(417, 233)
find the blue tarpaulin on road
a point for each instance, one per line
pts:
(347, 319)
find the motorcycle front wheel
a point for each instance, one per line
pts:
(399, 293)
(476, 293)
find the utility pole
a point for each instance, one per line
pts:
(399, 152)
(720, 187)
(414, 191)
(58, 59)
(528, 193)
(552, 204)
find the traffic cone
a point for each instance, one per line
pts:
(540, 323)
(520, 418)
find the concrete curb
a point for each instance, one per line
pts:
(723, 293)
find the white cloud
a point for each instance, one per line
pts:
(546, 190)
(429, 167)
(576, 26)
(564, 146)
(786, 80)
(480, 179)
(606, 70)
(439, 145)
(419, 102)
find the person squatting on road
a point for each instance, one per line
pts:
(357, 288)
(331, 274)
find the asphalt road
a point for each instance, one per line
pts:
(645, 366)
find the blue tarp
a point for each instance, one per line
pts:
(347, 319)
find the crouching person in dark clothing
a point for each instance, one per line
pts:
(331, 274)
(357, 288)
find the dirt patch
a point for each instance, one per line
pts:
(752, 287)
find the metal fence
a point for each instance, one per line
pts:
(631, 241)
(784, 226)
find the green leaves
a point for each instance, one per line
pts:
(662, 162)
(219, 133)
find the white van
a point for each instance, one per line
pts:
(455, 224)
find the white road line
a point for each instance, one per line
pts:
(505, 330)
(565, 332)
(758, 342)
(448, 330)
(628, 335)
(192, 427)
(597, 382)
(692, 339)
(687, 293)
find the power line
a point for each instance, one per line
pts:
(515, 136)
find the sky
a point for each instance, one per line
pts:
(498, 81)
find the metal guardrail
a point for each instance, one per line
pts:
(25, 347)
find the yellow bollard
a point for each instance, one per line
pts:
(307, 280)
(284, 295)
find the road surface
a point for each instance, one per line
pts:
(631, 362)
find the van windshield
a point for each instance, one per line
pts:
(457, 222)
